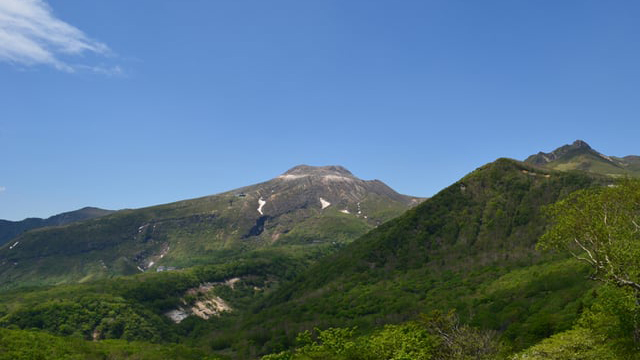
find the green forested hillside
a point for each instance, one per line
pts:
(457, 250)
(461, 268)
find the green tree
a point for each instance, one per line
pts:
(459, 341)
(601, 227)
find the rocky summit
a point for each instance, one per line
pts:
(580, 156)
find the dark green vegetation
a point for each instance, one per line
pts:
(600, 227)
(305, 212)
(435, 336)
(471, 247)
(37, 345)
(580, 156)
(132, 308)
(466, 257)
(11, 229)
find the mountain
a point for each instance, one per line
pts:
(11, 229)
(307, 210)
(580, 156)
(470, 247)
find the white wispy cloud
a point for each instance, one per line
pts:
(30, 34)
(2, 189)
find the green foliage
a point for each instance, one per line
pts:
(602, 228)
(132, 308)
(458, 341)
(437, 336)
(441, 255)
(33, 345)
(469, 248)
(530, 304)
(599, 227)
(92, 317)
(396, 342)
(615, 317)
(401, 342)
(579, 343)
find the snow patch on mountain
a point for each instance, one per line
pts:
(325, 203)
(290, 177)
(337, 178)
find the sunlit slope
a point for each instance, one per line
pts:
(305, 208)
(437, 256)
(11, 229)
(580, 156)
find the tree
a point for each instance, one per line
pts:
(458, 341)
(601, 227)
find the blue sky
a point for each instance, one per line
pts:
(124, 104)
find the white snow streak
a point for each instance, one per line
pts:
(261, 203)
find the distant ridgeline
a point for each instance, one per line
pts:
(11, 229)
(580, 156)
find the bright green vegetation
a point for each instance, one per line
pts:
(435, 336)
(36, 345)
(471, 248)
(600, 228)
(132, 308)
(467, 257)
(606, 330)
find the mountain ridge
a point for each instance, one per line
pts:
(581, 156)
(306, 207)
(10, 229)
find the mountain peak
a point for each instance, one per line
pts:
(580, 156)
(563, 152)
(580, 144)
(306, 170)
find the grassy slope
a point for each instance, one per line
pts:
(572, 157)
(187, 233)
(11, 229)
